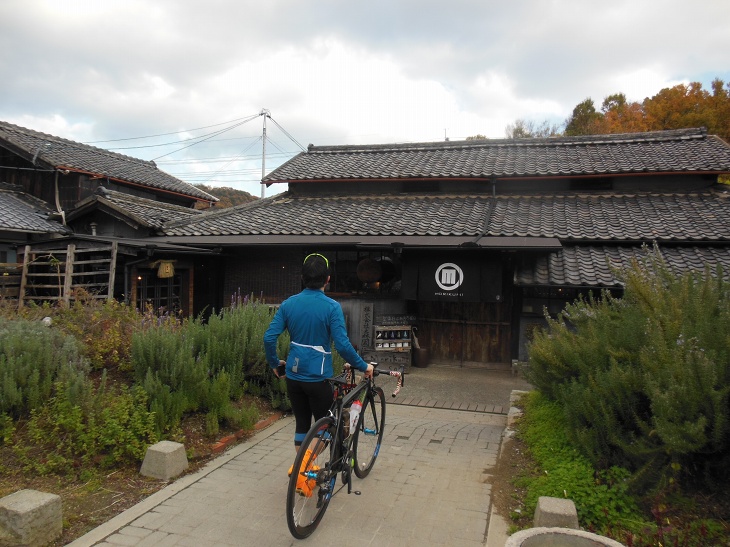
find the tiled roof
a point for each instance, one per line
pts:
(145, 211)
(677, 151)
(596, 266)
(692, 216)
(20, 212)
(287, 215)
(65, 154)
(677, 216)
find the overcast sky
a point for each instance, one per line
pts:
(333, 72)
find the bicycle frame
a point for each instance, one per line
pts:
(313, 481)
(345, 393)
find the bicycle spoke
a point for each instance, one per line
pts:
(312, 481)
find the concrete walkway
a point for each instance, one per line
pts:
(428, 486)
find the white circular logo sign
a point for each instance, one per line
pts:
(449, 276)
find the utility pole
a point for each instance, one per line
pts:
(266, 114)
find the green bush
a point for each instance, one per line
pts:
(645, 380)
(164, 364)
(178, 366)
(601, 498)
(232, 341)
(91, 426)
(104, 327)
(32, 357)
(196, 366)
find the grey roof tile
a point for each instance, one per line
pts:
(691, 216)
(683, 150)
(20, 212)
(698, 215)
(62, 153)
(387, 215)
(149, 212)
(597, 266)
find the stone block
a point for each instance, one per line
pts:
(515, 396)
(512, 415)
(555, 513)
(29, 518)
(164, 460)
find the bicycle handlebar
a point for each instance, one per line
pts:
(400, 374)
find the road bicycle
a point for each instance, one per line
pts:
(334, 447)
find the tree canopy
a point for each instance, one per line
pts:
(528, 129)
(678, 107)
(229, 197)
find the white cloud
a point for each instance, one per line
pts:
(334, 72)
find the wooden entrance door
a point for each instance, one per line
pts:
(465, 332)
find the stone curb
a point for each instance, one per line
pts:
(227, 441)
(497, 525)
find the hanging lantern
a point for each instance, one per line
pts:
(165, 268)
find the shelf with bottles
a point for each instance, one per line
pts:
(397, 338)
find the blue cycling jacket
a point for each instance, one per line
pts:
(313, 320)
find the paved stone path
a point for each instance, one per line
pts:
(428, 487)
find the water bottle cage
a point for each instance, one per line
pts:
(346, 422)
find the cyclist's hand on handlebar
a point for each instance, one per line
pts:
(369, 372)
(280, 371)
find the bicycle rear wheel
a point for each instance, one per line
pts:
(369, 434)
(312, 481)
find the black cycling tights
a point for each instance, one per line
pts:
(308, 399)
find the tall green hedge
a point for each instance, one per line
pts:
(196, 366)
(32, 357)
(644, 380)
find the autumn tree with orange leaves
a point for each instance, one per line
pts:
(678, 107)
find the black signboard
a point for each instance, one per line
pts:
(452, 278)
(456, 280)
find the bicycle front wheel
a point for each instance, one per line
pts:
(312, 481)
(369, 433)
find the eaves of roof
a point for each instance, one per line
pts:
(97, 203)
(431, 242)
(134, 210)
(133, 244)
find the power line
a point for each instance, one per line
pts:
(287, 134)
(173, 163)
(209, 176)
(199, 138)
(205, 139)
(173, 133)
(220, 170)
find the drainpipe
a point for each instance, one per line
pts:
(58, 201)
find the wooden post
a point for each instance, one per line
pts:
(112, 271)
(68, 274)
(23, 277)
